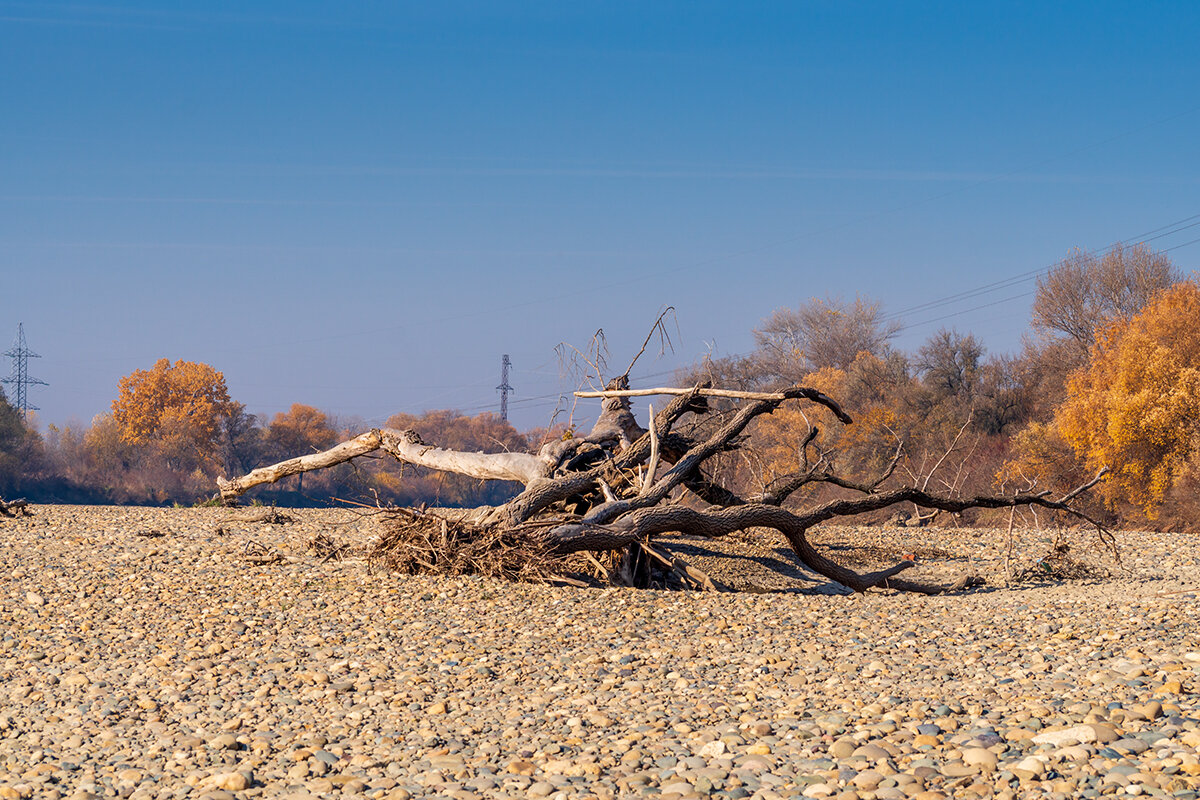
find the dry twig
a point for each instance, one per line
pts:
(260, 554)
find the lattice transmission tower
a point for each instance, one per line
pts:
(504, 389)
(20, 355)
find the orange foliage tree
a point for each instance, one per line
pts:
(1136, 407)
(178, 409)
(302, 429)
(875, 390)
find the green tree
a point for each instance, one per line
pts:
(12, 445)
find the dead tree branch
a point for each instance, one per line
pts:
(14, 508)
(603, 492)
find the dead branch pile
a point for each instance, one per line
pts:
(266, 516)
(1060, 565)
(326, 548)
(259, 554)
(416, 543)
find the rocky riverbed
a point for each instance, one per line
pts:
(160, 653)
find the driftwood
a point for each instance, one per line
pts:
(14, 508)
(405, 446)
(609, 493)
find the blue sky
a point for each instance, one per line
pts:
(363, 206)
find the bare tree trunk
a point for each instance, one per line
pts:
(405, 446)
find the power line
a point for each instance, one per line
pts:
(965, 311)
(20, 355)
(1029, 275)
(1176, 247)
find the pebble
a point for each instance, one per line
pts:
(170, 666)
(980, 757)
(1078, 733)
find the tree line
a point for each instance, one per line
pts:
(173, 429)
(1108, 376)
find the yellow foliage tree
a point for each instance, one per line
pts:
(864, 446)
(1136, 406)
(780, 435)
(179, 408)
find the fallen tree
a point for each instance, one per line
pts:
(609, 493)
(14, 508)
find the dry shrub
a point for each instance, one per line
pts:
(415, 543)
(276, 517)
(326, 548)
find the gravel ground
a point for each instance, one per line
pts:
(145, 654)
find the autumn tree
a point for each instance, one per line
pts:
(794, 342)
(1004, 399)
(1078, 298)
(302, 429)
(176, 409)
(1136, 407)
(243, 441)
(1084, 293)
(950, 365)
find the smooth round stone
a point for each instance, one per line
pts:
(1031, 764)
(867, 779)
(959, 769)
(872, 752)
(980, 757)
(842, 748)
(1074, 752)
(225, 741)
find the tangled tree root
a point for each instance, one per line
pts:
(417, 543)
